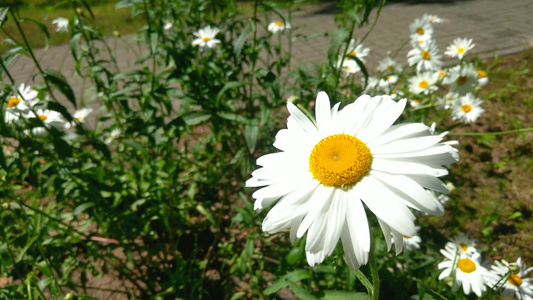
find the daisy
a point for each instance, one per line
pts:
(412, 242)
(115, 133)
(462, 244)
(515, 283)
(459, 47)
(432, 18)
(328, 168)
(357, 50)
(447, 100)
(49, 118)
(349, 66)
(421, 28)
(467, 108)
(206, 37)
(24, 99)
(423, 83)
(466, 271)
(61, 24)
(482, 78)
(426, 58)
(79, 116)
(464, 79)
(415, 103)
(389, 65)
(388, 82)
(168, 25)
(278, 27)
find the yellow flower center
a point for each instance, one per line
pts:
(442, 73)
(353, 53)
(339, 160)
(278, 23)
(425, 55)
(391, 68)
(393, 92)
(423, 84)
(388, 77)
(416, 102)
(42, 117)
(464, 247)
(466, 265)
(481, 74)
(462, 80)
(515, 280)
(420, 31)
(205, 39)
(79, 118)
(13, 101)
(461, 50)
(406, 237)
(466, 108)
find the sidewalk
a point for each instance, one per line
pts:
(497, 27)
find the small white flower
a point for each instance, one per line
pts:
(466, 270)
(278, 27)
(357, 50)
(462, 244)
(61, 23)
(459, 47)
(79, 116)
(464, 79)
(516, 284)
(349, 66)
(412, 242)
(446, 101)
(168, 25)
(415, 103)
(482, 78)
(426, 58)
(389, 65)
(432, 18)
(467, 108)
(50, 118)
(206, 37)
(421, 28)
(115, 133)
(423, 83)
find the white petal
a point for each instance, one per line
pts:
(403, 167)
(399, 131)
(357, 220)
(323, 112)
(300, 119)
(318, 200)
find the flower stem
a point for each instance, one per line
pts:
(374, 272)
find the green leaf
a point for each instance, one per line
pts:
(239, 43)
(364, 280)
(237, 118)
(341, 295)
(207, 214)
(430, 291)
(3, 13)
(82, 207)
(43, 29)
(282, 282)
(25, 249)
(339, 36)
(250, 135)
(230, 85)
(299, 291)
(195, 117)
(515, 215)
(59, 81)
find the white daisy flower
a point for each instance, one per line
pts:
(447, 101)
(415, 103)
(24, 99)
(459, 47)
(206, 37)
(115, 133)
(432, 18)
(464, 79)
(463, 244)
(467, 108)
(389, 65)
(396, 94)
(424, 82)
(466, 271)
(61, 24)
(327, 169)
(349, 66)
(168, 25)
(371, 85)
(79, 116)
(50, 118)
(515, 283)
(482, 78)
(278, 27)
(387, 83)
(357, 50)
(426, 58)
(411, 243)
(421, 28)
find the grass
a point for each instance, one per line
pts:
(106, 20)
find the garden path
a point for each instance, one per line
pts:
(497, 27)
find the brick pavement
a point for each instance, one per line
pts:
(497, 27)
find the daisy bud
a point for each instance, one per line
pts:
(514, 268)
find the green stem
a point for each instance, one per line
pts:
(374, 272)
(491, 133)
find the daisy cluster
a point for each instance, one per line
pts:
(463, 267)
(24, 105)
(451, 88)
